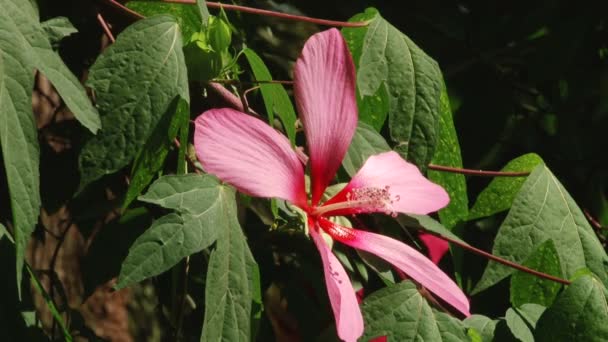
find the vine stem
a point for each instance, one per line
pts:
(124, 9)
(502, 261)
(269, 13)
(472, 172)
(105, 27)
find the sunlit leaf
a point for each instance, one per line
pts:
(134, 80)
(544, 210)
(579, 313)
(186, 15)
(366, 142)
(58, 28)
(528, 288)
(501, 192)
(483, 325)
(152, 157)
(448, 153)
(402, 314)
(413, 83)
(230, 288)
(275, 97)
(201, 205)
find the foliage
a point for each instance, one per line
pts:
(444, 86)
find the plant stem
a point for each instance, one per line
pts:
(124, 9)
(472, 172)
(503, 261)
(105, 27)
(273, 14)
(251, 82)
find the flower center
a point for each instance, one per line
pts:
(363, 200)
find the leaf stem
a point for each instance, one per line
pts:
(269, 13)
(105, 27)
(502, 261)
(472, 172)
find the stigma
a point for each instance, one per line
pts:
(362, 200)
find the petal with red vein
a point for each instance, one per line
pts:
(437, 247)
(324, 85)
(405, 258)
(349, 321)
(408, 190)
(248, 154)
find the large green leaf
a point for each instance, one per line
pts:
(373, 109)
(18, 137)
(135, 80)
(187, 16)
(402, 314)
(499, 194)
(230, 287)
(21, 22)
(544, 210)
(275, 97)
(527, 288)
(366, 142)
(579, 313)
(448, 154)
(413, 83)
(201, 205)
(152, 157)
(24, 47)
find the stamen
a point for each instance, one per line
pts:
(364, 200)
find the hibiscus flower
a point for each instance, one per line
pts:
(259, 161)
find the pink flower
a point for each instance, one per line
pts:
(259, 161)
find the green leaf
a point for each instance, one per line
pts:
(543, 210)
(527, 288)
(518, 326)
(501, 192)
(152, 157)
(135, 80)
(579, 313)
(483, 325)
(20, 22)
(402, 314)
(531, 313)
(18, 137)
(203, 11)
(373, 109)
(448, 154)
(58, 28)
(413, 83)
(187, 16)
(366, 142)
(275, 97)
(4, 232)
(201, 203)
(229, 287)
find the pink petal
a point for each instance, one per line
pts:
(407, 190)
(436, 246)
(349, 321)
(324, 78)
(249, 154)
(405, 258)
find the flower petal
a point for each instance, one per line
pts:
(349, 321)
(405, 258)
(324, 85)
(407, 190)
(436, 246)
(249, 154)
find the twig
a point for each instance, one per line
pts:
(477, 172)
(251, 82)
(105, 27)
(123, 8)
(503, 261)
(274, 14)
(595, 223)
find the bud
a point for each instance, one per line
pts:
(219, 34)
